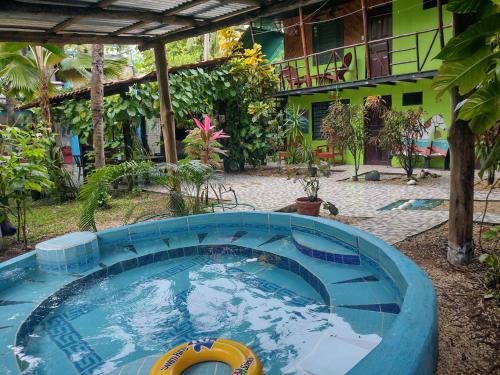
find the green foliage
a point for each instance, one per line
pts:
(399, 135)
(344, 125)
(99, 183)
(470, 63)
(310, 184)
(488, 152)
(492, 275)
(294, 126)
(240, 90)
(21, 171)
(192, 177)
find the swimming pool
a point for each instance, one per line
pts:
(308, 295)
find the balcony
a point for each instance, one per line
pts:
(404, 57)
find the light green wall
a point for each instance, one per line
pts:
(430, 106)
(408, 16)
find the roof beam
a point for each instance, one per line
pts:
(245, 16)
(70, 21)
(66, 38)
(42, 10)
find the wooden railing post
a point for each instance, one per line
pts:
(365, 36)
(304, 47)
(417, 51)
(440, 22)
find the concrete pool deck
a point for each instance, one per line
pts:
(356, 199)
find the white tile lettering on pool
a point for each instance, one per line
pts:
(306, 296)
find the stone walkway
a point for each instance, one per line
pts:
(356, 199)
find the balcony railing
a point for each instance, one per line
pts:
(396, 55)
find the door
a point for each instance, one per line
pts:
(373, 124)
(379, 27)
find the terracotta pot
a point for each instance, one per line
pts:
(306, 207)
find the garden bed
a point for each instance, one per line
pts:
(469, 325)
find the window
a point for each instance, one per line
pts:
(428, 4)
(412, 98)
(328, 35)
(319, 110)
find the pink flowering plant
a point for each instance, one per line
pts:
(203, 143)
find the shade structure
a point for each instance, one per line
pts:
(141, 22)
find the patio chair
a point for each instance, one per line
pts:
(291, 75)
(337, 75)
(328, 152)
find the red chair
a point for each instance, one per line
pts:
(291, 75)
(328, 152)
(338, 74)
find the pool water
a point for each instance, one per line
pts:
(413, 204)
(307, 303)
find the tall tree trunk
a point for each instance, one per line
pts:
(461, 140)
(97, 106)
(43, 89)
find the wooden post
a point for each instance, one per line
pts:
(304, 47)
(365, 36)
(461, 140)
(166, 113)
(440, 22)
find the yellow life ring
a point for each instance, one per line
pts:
(239, 357)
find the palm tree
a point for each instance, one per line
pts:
(96, 103)
(29, 70)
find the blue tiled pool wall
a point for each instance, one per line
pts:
(412, 335)
(17, 269)
(78, 286)
(72, 259)
(275, 223)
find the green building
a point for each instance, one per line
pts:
(358, 48)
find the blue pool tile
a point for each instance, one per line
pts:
(176, 253)
(115, 269)
(145, 259)
(161, 256)
(190, 251)
(169, 226)
(129, 264)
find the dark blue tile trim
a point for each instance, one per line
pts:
(358, 280)
(391, 308)
(274, 239)
(4, 302)
(328, 256)
(70, 342)
(5, 327)
(238, 235)
(201, 237)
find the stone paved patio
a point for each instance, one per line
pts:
(356, 199)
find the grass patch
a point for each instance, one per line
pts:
(47, 219)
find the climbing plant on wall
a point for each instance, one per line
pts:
(238, 93)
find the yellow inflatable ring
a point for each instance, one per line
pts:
(240, 358)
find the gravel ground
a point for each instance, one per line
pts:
(469, 325)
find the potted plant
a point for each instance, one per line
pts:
(311, 204)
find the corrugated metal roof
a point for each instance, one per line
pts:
(141, 22)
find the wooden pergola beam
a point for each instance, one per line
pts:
(243, 17)
(66, 38)
(16, 7)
